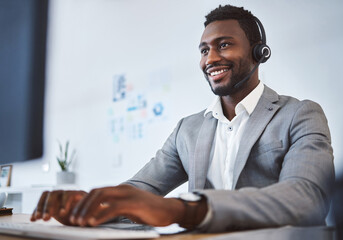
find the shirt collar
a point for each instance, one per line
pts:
(248, 104)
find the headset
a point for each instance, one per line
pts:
(261, 50)
(261, 53)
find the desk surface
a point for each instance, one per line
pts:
(22, 218)
(282, 233)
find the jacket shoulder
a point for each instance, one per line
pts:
(194, 119)
(288, 101)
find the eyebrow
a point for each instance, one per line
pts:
(217, 40)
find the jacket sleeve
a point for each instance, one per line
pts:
(300, 197)
(164, 172)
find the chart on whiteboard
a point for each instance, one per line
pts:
(140, 102)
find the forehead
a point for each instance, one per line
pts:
(224, 28)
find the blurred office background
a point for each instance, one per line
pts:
(121, 73)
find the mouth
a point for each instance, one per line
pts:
(217, 73)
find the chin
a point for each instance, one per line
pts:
(225, 90)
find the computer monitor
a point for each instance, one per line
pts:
(23, 25)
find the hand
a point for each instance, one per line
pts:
(103, 204)
(57, 204)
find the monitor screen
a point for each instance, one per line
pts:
(23, 25)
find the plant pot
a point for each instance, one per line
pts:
(65, 177)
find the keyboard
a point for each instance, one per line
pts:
(106, 231)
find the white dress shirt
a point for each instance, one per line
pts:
(228, 137)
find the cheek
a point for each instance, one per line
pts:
(232, 55)
(202, 63)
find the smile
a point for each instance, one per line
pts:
(215, 73)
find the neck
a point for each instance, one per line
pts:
(229, 102)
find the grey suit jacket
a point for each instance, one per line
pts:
(283, 172)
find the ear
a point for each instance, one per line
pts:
(260, 51)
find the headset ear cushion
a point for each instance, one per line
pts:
(258, 51)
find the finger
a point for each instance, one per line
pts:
(52, 205)
(69, 200)
(97, 200)
(38, 212)
(107, 204)
(78, 208)
(118, 198)
(113, 207)
(33, 215)
(103, 213)
(89, 206)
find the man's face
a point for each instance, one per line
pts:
(225, 56)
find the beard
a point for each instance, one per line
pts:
(237, 76)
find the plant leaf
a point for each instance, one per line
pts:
(61, 148)
(66, 150)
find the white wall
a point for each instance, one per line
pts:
(92, 41)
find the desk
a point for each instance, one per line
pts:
(22, 218)
(282, 233)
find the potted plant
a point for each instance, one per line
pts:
(65, 176)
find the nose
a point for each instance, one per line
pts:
(212, 57)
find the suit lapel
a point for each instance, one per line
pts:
(260, 117)
(202, 153)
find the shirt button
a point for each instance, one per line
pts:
(230, 129)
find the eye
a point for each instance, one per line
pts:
(204, 51)
(224, 45)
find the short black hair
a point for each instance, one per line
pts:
(244, 17)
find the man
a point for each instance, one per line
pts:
(253, 158)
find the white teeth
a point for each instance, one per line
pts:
(218, 72)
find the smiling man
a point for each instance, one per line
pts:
(253, 158)
(226, 60)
